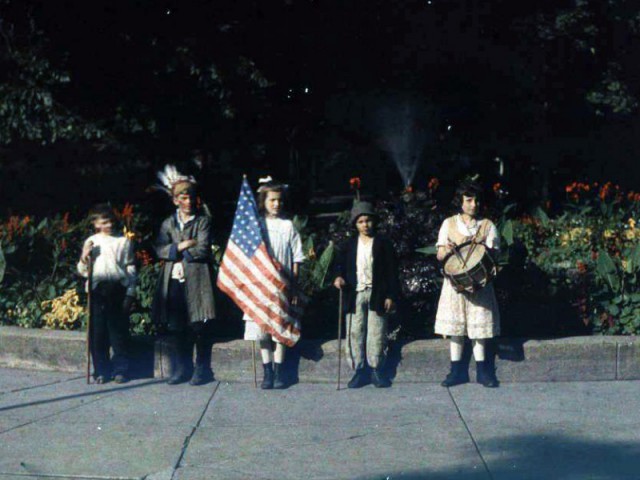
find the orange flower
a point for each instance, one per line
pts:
(355, 183)
(65, 223)
(496, 187)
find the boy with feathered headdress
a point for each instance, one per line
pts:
(184, 303)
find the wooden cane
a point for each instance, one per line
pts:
(89, 287)
(339, 338)
(255, 372)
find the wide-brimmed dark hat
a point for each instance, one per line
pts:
(362, 208)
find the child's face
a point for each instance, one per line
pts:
(273, 203)
(470, 205)
(103, 225)
(365, 225)
(185, 203)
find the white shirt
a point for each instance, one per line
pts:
(284, 242)
(492, 240)
(177, 271)
(364, 264)
(113, 261)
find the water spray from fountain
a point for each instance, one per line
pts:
(405, 126)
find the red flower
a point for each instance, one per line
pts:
(354, 183)
(433, 184)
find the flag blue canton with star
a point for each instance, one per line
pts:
(246, 232)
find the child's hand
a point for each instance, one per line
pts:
(86, 251)
(339, 283)
(183, 245)
(389, 306)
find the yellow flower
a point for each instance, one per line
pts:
(64, 311)
(608, 234)
(130, 235)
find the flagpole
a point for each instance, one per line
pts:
(339, 337)
(255, 372)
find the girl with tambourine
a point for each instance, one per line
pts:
(467, 312)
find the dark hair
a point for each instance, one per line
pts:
(102, 210)
(467, 188)
(263, 190)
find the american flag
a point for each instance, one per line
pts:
(253, 279)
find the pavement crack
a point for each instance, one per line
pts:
(75, 407)
(188, 438)
(473, 440)
(48, 384)
(59, 475)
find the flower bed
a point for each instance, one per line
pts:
(572, 271)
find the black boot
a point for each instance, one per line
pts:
(267, 379)
(180, 368)
(457, 376)
(202, 373)
(485, 375)
(359, 379)
(278, 379)
(379, 379)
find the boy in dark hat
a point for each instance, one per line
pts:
(367, 273)
(183, 302)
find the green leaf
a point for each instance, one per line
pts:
(541, 215)
(432, 250)
(3, 264)
(300, 222)
(613, 309)
(507, 232)
(323, 265)
(634, 258)
(508, 208)
(606, 269)
(44, 223)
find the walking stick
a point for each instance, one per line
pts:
(339, 338)
(255, 373)
(89, 286)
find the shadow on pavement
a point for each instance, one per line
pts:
(540, 457)
(101, 391)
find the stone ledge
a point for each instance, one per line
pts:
(517, 360)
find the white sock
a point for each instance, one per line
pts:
(266, 351)
(456, 346)
(478, 349)
(279, 355)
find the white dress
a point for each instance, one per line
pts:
(285, 246)
(474, 315)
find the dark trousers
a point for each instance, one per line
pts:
(109, 329)
(187, 333)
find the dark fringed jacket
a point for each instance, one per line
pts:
(197, 263)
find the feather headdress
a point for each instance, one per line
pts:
(170, 178)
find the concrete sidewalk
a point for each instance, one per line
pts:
(53, 425)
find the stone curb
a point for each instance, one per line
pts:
(516, 360)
